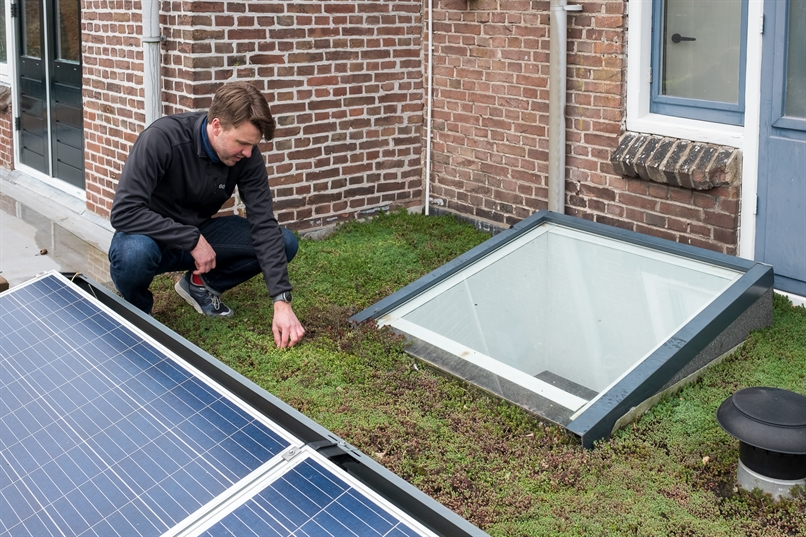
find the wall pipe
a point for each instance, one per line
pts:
(151, 59)
(557, 95)
(429, 94)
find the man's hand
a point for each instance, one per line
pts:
(285, 326)
(204, 255)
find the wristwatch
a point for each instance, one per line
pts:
(282, 297)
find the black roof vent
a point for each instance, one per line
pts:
(770, 424)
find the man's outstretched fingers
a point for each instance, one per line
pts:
(285, 326)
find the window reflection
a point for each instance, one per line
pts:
(701, 50)
(32, 40)
(3, 47)
(796, 61)
(69, 28)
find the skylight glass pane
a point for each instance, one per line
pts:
(563, 312)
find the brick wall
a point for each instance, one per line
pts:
(113, 93)
(344, 81)
(6, 140)
(490, 108)
(491, 79)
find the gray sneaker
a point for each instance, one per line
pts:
(203, 300)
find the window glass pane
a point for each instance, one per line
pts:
(564, 307)
(69, 26)
(31, 42)
(701, 49)
(796, 61)
(3, 47)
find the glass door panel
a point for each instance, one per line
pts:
(31, 29)
(701, 49)
(3, 45)
(68, 28)
(795, 100)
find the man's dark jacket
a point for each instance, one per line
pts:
(169, 187)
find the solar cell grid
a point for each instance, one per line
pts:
(311, 498)
(101, 432)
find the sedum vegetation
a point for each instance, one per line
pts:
(670, 473)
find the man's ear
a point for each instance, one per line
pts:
(215, 125)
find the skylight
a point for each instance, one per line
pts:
(559, 314)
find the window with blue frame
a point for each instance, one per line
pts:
(3, 48)
(791, 102)
(698, 59)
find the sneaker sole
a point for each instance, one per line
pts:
(186, 296)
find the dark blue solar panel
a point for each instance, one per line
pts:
(310, 500)
(100, 432)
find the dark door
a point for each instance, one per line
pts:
(67, 121)
(781, 219)
(51, 119)
(33, 88)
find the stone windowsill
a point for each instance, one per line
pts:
(5, 97)
(675, 162)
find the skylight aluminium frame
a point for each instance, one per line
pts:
(731, 296)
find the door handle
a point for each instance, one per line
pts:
(676, 38)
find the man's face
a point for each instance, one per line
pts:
(235, 143)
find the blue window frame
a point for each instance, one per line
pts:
(699, 54)
(789, 90)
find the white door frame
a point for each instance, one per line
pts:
(752, 119)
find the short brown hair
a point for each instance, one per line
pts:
(238, 102)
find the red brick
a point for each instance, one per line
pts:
(638, 201)
(655, 232)
(680, 211)
(722, 220)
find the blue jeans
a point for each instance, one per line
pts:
(134, 260)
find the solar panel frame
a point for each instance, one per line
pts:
(408, 499)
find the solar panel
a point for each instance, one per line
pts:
(104, 431)
(310, 498)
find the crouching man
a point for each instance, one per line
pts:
(180, 171)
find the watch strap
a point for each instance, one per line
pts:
(285, 296)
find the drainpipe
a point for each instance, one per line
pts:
(557, 65)
(429, 93)
(151, 59)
